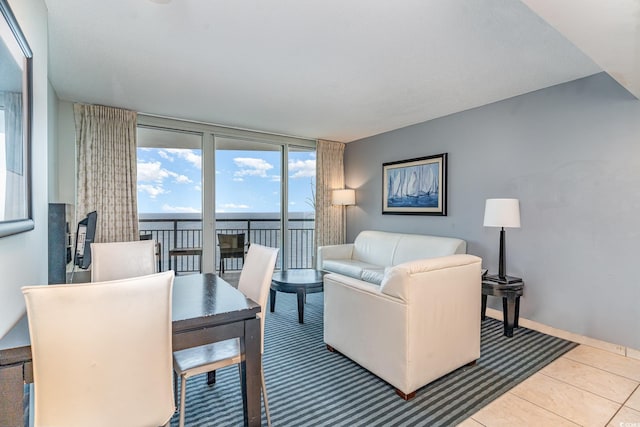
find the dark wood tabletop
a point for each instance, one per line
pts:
(205, 309)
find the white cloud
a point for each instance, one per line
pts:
(302, 168)
(164, 155)
(233, 206)
(151, 172)
(275, 178)
(238, 179)
(197, 188)
(250, 166)
(180, 179)
(154, 172)
(151, 190)
(188, 155)
(179, 209)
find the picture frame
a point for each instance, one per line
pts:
(415, 186)
(15, 126)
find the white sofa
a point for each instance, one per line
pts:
(423, 318)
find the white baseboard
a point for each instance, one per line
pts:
(570, 336)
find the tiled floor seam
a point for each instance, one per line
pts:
(587, 391)
(604, 369)
(546, 409)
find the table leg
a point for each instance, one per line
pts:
(11, 395)
(515, 322)
(253, 365)
(301, 297)
(272, 297)
(483, 314)
(509, 314)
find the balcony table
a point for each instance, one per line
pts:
(205, 309)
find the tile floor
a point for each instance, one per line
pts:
(585, 387)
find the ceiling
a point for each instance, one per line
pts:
(330, 69)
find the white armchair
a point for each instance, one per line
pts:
(420, 323)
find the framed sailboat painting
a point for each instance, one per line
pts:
(415, 186)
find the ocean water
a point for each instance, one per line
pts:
(422, 201)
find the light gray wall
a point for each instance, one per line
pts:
(571, 154)
(23, 257)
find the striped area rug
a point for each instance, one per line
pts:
(309, 386)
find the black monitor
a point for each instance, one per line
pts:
(85, 234)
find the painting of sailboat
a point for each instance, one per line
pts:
(415, 186)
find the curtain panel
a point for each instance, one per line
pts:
(330, 219)
(107, 170)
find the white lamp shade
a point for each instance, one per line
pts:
(502, 213)
(343, 197)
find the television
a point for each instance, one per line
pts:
(85, 234)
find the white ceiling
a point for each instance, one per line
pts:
(331, 69)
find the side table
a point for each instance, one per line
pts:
(510, 294)
(300, 282)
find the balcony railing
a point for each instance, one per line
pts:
(187, 233)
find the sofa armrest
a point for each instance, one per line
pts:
(398, 280)
(333, 252)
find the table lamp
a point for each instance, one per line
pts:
(502, 213)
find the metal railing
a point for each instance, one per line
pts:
(187, 233)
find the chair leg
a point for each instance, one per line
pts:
(183, 395)
(264, 397)
(175, 389)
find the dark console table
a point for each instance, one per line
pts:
(510, 294)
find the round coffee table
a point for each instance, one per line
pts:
(300, 282)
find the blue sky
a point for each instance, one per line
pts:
(170, 180)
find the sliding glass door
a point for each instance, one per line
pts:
(170, 194)
(197, 181)
(248, 197)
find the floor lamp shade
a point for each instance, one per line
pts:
(502, 213)
(345, 197)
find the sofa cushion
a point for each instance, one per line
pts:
(412, 247)
(372, 275)
(348, 267)
(375, 247)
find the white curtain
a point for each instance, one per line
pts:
(330, 219)
(106, 144)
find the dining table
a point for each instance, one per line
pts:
(205, 309)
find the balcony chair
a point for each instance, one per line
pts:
(120, 260)
(254, 283)
(98, 359)
(231, 246)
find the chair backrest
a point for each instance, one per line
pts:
(255, 277)
(100, 357)
(231, 241)
(121, 260)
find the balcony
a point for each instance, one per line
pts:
(185, 231)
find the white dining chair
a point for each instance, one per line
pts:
(254, 283)
(100, 357)
(120, 260)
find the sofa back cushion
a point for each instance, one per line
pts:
(388, 249)
(375, 247)
(413, 246)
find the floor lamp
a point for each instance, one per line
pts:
(502, 213)
(345, 197)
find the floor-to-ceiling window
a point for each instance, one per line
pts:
(248, 197)
(253, 184)
(169, 166)
(301, 206)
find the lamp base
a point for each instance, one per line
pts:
(506, 280)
